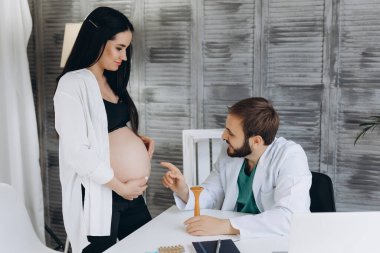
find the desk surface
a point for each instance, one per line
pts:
(167, 229)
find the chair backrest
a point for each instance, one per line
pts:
(201, 148)
(16, 230)
(322, 193)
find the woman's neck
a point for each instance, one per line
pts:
(105, 90)
(97, 71)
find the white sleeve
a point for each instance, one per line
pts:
(75, 146)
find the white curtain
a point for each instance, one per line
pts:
(19, 148)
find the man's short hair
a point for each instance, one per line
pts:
(258, 118)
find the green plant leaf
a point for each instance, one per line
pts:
(366, 126)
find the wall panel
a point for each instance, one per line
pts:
(228, 57)
(293, 76)
(166, 93)
(358, 167)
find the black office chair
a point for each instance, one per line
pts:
(321, 193)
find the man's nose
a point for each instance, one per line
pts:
(224, 135)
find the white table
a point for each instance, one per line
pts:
(168, 229)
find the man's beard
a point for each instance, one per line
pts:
(242, 151)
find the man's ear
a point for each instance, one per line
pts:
(256, 141)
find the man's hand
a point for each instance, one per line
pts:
(174, 180)
(207, 225)
(149, 144)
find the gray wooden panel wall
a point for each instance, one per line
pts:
(357, 170)
(167, 92)
(294, 52)
(227, 58)
(317, 60)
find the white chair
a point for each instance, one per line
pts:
(16, 231)
(201, 148)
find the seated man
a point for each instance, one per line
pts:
(266, 177)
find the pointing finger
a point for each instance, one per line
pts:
(171, 167)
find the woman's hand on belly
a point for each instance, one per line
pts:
(134, 188)
(149, 144)
(130, 189)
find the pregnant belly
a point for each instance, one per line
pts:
(128, 154)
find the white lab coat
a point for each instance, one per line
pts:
(81, 122)
(280, 186)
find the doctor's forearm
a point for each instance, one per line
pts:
(183, 194)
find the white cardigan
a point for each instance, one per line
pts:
(280, 186)
(81, 122)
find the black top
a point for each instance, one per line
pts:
(117, 115)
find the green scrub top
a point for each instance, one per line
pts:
(246, 200)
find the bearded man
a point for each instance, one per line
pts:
(267, 178)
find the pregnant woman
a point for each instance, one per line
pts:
(104, 163)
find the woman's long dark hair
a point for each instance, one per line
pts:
(102, 25)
